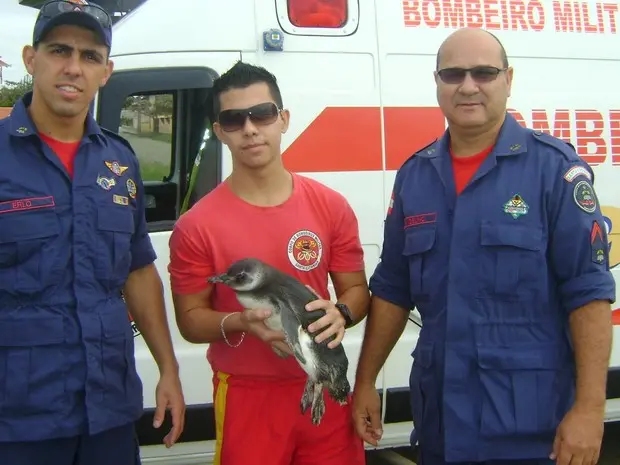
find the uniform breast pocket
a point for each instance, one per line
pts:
(512, 263)
(29, 249)
(419, 243)
(115, 227)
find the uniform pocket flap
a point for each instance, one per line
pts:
(515, 235)
(418, 241)
(23, 226)
(423, 355)
(34, 331)
(543, 357)
(115, 219)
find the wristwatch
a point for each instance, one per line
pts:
(346, 313)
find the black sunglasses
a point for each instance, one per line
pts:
(262, 114)
(480, 74)
(55, 8)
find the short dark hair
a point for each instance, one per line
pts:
(240, 76)
(503, 54)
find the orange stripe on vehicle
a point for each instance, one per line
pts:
(409, 129)
(339, 139)
(349, 138)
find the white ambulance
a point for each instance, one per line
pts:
(357, 76)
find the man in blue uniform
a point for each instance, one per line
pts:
(496, 236)
(73, 247)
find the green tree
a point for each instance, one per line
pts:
(151, 106)
(12, 91)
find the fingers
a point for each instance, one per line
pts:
(364, 431)
(555, 451)
(178, 420)
(313, 291)
(368, 427)
(332, 323)
(254, 316)
(282, 346)
(160, 413)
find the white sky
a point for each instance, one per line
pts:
(16, 23)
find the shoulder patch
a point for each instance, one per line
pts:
(117, 137)
(584, 196)
(575, 171)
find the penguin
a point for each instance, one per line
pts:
(258, 285)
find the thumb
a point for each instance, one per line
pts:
(556, 447)
(160, 412)
(375, 420)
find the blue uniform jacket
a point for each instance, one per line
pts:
(66, 248)
(495, 273)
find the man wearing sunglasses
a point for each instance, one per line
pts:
(495, 235)
(299, 226)
(73, 248)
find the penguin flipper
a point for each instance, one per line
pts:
(290, 325)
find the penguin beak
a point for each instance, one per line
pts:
(221, 278)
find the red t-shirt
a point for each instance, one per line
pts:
(65, 151)
(311, 234)
(465, 167)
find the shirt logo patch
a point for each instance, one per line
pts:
(131, 188)
(33, 203)
(305, 250)
(106, 183)
(115, 167)
(516, 207)
(418, 220)
(597, 243)
(584, 196)
(120, 199)
(575, 171)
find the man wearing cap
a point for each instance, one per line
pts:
(75, 255)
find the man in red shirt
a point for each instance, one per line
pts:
(297, 225)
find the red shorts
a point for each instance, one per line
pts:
(259, 422)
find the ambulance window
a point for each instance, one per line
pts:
(148, 123)
(318, 17)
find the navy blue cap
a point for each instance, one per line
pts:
(73, 13)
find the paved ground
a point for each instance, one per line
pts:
(610, 453)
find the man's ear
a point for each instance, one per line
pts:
(28, 57)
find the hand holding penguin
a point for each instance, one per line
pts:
(333, 321)
(253, 321)
(281, 305)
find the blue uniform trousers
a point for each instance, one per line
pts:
(116, 446)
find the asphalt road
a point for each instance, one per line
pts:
(610, 454)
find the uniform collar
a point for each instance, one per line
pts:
(511, 141)
(21, 124)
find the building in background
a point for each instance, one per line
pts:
(3, 65)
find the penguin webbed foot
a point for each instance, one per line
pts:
(318, 404)
(306, 398)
